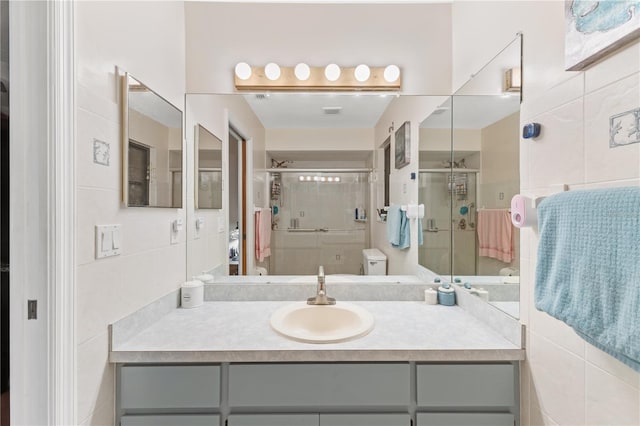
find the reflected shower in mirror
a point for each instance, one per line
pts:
(314, 156)
(152, 146)
(469, 171)
(435, 166)
(208, 151)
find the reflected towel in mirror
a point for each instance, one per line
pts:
(398, 228)
(495, 234)
(263, 234)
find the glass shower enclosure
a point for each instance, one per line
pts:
(319, 218)
(449, 196)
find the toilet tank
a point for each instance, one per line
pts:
(374, 261)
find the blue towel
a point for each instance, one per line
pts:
(398, 229)
(588, 272)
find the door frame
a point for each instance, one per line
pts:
(42, 212)
(246, 225)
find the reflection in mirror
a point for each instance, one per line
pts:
(322, 220)
(208, 150)
(152, 143)
(469, 171)
(314, 155)
(486, 175)
(435, 166)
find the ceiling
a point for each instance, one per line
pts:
(153, 106)
(308, 110)
(472, 112)
(362, 111)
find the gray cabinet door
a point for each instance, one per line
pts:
(171, 420)
(273, 420)
(465, 419)
(365, 420)
(313, 385)
(170, 386)
(466, 385)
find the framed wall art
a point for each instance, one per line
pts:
(403, 145)
(593, 29)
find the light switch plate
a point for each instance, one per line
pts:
(108, 240)
(175, 230)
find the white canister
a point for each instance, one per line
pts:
(192, 294)
(431, 296)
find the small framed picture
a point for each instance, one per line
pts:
(624, 128)
(403, 145)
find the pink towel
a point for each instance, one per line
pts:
(495, 234)
(263, 234)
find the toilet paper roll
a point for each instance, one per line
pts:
(431, 296)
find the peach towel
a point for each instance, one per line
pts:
(495, 234)
(263, 234)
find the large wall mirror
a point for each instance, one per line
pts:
(319, 166)
(152, 148)
(208, 178)
(469, 171)
(316, 179)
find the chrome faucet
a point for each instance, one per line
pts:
(321, 295)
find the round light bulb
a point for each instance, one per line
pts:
(332, 72)
(362, 73)
(302, 72)
(391, 73)
(243, 70)
(337, 179)
(301, 178)
(272, 71)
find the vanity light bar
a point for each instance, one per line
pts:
(306, 78)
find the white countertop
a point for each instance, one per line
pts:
(240, 332)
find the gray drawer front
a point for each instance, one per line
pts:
(273, 420)
(479, 385)
(465, 419)
(316, 385)
(188, 386)
(365, 420)
(171, 420)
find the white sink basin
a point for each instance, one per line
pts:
(322, 323)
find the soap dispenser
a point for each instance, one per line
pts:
(446, 295)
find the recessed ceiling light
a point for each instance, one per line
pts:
(332, 110)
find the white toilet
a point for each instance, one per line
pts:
(374, 261)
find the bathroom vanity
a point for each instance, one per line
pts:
(222, 364)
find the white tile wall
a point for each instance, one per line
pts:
(604, 163)
(609, 400)
(567, 381)
(149, 266)
(95, 375)
(558, 378)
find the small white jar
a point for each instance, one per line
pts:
(192, 294)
